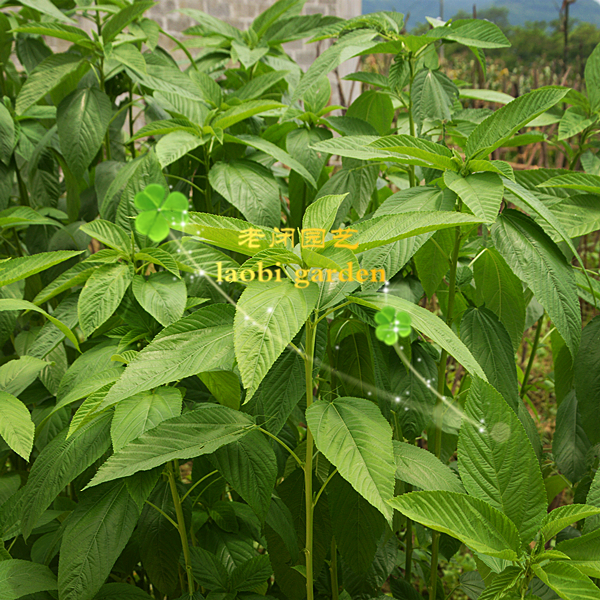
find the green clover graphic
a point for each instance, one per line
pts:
(391, 325)
(159, 213)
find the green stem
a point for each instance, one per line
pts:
(308, 490)
(181, 527)
(439, 405)
(411, 120)
(536, 341)
(331, 475)
(130, 108)
(197, 484)
(23, 195)
(409, 544)
(333, 570)
(284, 445)
(207, 188)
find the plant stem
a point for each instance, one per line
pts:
(335, 586)
(308, 491)
(536, 341)
(409, 544)
(181, 527)
(438, 414)
(207, 188)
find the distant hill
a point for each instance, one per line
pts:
(520, 10)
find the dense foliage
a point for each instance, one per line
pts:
(235, 366)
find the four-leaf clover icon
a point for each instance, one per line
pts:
(159, 213)
(391, 325)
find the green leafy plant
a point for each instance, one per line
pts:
(234, 367)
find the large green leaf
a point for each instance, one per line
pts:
(162, 295)
(121, 591)
(9, 304)
(428, 324)
(21, 267)
(251, 188)
(593, 498)
(198, 343)
(570, 444)
(268, 316)
(536, 259)
(422, 469)
(487, 339)
(198, 432)
(587, 379)
(16, 375)
(16, 427)
(433, 96)
(322, 212)
(18, 216)
(567, 581)
(389, 228)
(47, 76)
(136, 415)
(102, 294)
(481, 192)
(502, 292)
(258, 143)
(58, 464)
(563, 516)
(250, 467)
(354, 436)
(174, 145)
(592, 79)
(350, 45)
(506, 121)
(475, 33)
(357, 525)
(474, 522)
(95, 535)
(18, 578)
(433, 260)
(496, 461)
(584, 552)
(244, 111)
(7, 135)
(228, 233)
(109, 234)
(375, 108)
(414, 398)
(82, 119)
(584, 182)
(159, 541)
(118, 22)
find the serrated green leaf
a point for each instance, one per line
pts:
(16, 427)
(422, 469)
(109, 234)
(474, 522)
(162, 295)
(505, 122)
(563, 516)
(386, 229)
(428, 324)
(567, 581)
(249, 465)
(16, 375)
(200, 342)
(102, 294)
(354, 436)
(47, 76)
(481, 192)
(102, 524)
(142, 412)
(58, 464)
(198, 432)
(496, 461)
(536, 259)
(19, 578)
(268, 316)
(489, 342)
(251, 188)
(82, 119)
(21, 267)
